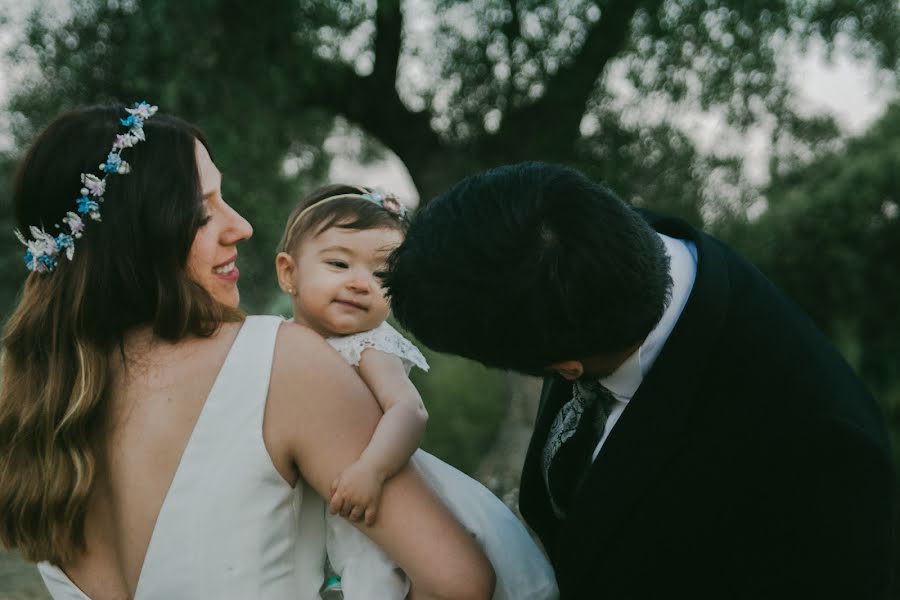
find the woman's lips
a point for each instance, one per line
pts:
(227, 270)
(232, 276)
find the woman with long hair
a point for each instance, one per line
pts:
(154, 442)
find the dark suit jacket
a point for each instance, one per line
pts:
(750, 463)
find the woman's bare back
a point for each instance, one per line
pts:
(156, 396)
(318, 416)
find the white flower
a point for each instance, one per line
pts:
(94, 184)
(142, 110)
(74, 223)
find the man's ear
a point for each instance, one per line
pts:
(568, 369)
(284, 268)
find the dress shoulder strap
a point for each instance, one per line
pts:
(249, 362)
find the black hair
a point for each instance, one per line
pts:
(525, 265)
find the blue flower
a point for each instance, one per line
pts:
(48, 261)
(127, 121)
(86, 205)
(64, 240)
(29, 260)
(112, 163)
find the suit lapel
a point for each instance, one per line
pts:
(653, 426)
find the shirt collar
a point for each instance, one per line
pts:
(624, 381)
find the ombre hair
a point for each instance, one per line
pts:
(129, 270)
(345, 208)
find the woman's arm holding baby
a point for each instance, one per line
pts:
(357, 490)
(319, 418)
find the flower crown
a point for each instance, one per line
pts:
(44, 248)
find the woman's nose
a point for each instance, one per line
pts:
(239, 228)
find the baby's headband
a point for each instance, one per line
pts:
(385, 201)
(382, 199)
(44, 249)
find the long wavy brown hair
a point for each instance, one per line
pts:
(128, 271)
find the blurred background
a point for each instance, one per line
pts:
(774, 125)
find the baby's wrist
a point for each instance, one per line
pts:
(377, 470)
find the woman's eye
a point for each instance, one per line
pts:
(205, 219)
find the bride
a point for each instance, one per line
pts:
(154, 443)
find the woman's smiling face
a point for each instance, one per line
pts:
(211, 260)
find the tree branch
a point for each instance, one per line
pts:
(388, 38)
(512, 31)
(372, 103)
(568, 91)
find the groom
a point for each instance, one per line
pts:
(697, 436)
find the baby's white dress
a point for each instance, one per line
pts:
(522, 571)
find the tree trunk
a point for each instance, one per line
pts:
(501, 468)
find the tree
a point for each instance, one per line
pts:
(830, 239)
(450, 87)
(493, 81)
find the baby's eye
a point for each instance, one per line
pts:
(340, 264)
(380, 274)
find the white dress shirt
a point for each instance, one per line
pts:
(624, 381)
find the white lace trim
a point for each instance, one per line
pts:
(384, 338)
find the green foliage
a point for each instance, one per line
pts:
(831, 238)
(492, 81)
(12, 272)
(198, 60)
(465, 403)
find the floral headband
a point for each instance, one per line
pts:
(386, 201)
(44, 249)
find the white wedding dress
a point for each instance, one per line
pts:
(522, 571)
(230, 526)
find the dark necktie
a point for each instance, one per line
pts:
(574, 434)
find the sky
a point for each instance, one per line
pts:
(847, 87)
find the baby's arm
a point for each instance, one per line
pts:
(355, 493)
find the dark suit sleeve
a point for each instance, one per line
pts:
(835, 517)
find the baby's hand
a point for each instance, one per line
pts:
(356, 492)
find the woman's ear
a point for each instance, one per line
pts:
(569, 370)
(284, 268)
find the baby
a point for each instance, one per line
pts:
(330, 262)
